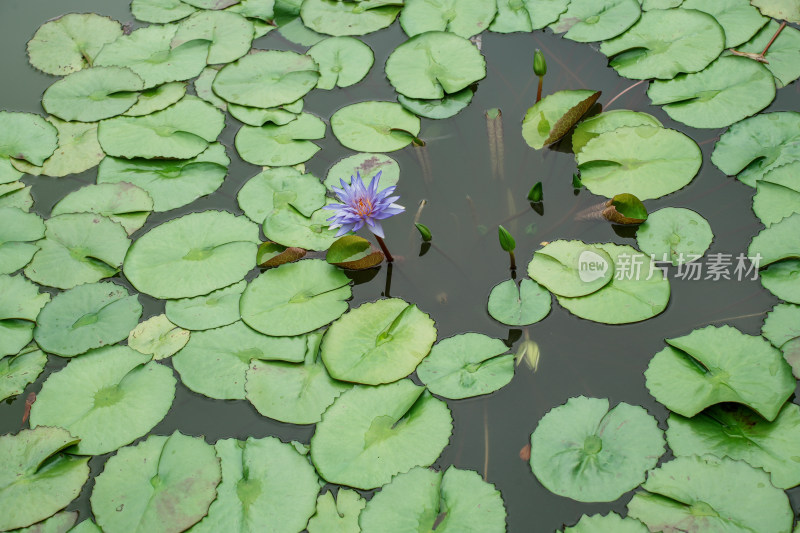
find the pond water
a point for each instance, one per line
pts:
(452, 280)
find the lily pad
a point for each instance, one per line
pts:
(515, 16)
(20, 304)
(93, 94)
(442, 108)
(161, 484)
(192, 255)
(180, 131)
(17, 195)
(674, 234)
(36, 478)
(289, 227)
(375, 126)
(610, 523)
(121, 202)
(353, 253)
(791, 353)
(370, 434)
(588, 129)
(783, 280)
(554, 115)
(271, 254)
(214, 362)
(730, 89)
(343, 61)
(467, 365)
(295, 298)
(364, 165)
(711, 494)
(213, 310)
(544, 12)
(664, 43)
(349, 18)
(584, 451)
(739, 433)
(271, 145)
(378, 342)
(87, 526)
(254, 494)
(787, 10)
(719, 364)
(637, 292)
(230, 34)
(157, 98)
(276, 187)
(255, 116)
(778, 194)
(463, 18)
(419, 498)
(58, 523)
(519, 306)
(782, 324)
(589, 20)
(78, 150)
(88, 316)
(646, 161)
(784, 62)
(290, 392)
(17, 371)
(160, 11)
(108, 398)
(267, 79)
(71, 42)
(571, 268)
(170, 184)
(779, 241)
(157, 336)
(211, 4)
(433, 64)
(738, 18)
(202, 88)
(756, 145)
(78, 248)
(17, 231)
(24, 136)
(339, 515)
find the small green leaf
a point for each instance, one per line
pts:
(535, 194)
(424, 232)
(625, 209)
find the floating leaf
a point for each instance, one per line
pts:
(625, 209)
(17, 195)
(157, 336)
(211, 4)
(354, 253)
(36, 479)
(17, 371)
(192, 255)
(791, 353)
(178, 473)
(277, 187)
(645, 161)
(779, 241)
(290, 228)
(340, 515)
(782, 55)
(719, 364)
(349, 18)
(343, 61)
(463, 18)
(367, 166)
(87, 526)
(255, 116)
(375, 126)
(121, 202)
(554, 115)
(20, 303)
(202, 88)
(230, 34)
(787, 10)
(370, 434)
(664, 43)
(443, 108)
(778, 194)
(433, 64)
(610, 523)
(160, 11)
(782, 324)
(588, 129)
(276, 146)
(783, 280)
(545, 12)
(588, 20)
(674, 234)
(213, 310)
(17, 231)
(571, 268)
(78, 150)
(378, 342)
(24, 136)
(262, 10)
(271, 254)
(584, 451)
(93, 94)
(513, 15)
(108, 398)
(58, 523)
(519, 306)
(157, 98)
(738, 18)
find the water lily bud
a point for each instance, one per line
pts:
(424, 232)
(539, 64)
(529, 352)
(506, 240)
(535, 194)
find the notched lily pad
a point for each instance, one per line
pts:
(121, 202)
(375, 126)
(353, 253)
(20, 304)
(571, 268)
(157, 336)
(520, 305)
(554, 115)
(271, 254)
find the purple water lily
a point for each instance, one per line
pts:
(362, 206)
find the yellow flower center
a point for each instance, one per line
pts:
(363, 207)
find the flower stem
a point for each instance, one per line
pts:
(539, 90)
(513, 260)
(382, 244)
(623, 92)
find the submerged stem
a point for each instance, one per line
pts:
(623, 92)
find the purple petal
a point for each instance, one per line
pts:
(376, 228)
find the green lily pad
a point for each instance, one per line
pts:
(271, 254)
(782, 55)
(78, 150)
(637, 292)
(439, 109)
(554, 115)
(161, 484)
(157, 98)
(738, 18)
(262, 10)
(87, 526)
(213, 310)
(78, 248)
(295, 298)
(588, 20)
(375, 126)
(739, 433)
(367, 166)
(349, 18)
(624, 209)
(719, 364)
(289, 227)
(230, 34)
(467, 365)
(93, 94)
(149, 53)
(71, 42)
(121, 202)
(370, 434)
(170, 184)
(255, 116)
(515, 16)
(17, 231)
(202, 88)
(519, 306)
(646, 161)
(664, 43)
(85, 317)
(421, 496)
(36, 479)
(276, 146)
(791, 353)
(584, 451)
(192, 255)
(378, 342)
(20, 304)
(353, 253)
(648, 5)
(290, 392)
(267, 79)
(343, 61)
(211, 4)
(778, 194)
(160, 11)
(24, 136)
(787, 10)
(782, 324)
(433, 64)
(254, 494)
(779, 241)
(711, 494)
(214, 362)
(571, 268)
(180, 131)
(108, 398)
(17, 371)
(730, 89)
(610, 523)
(783, 280)
(463, 18)
(58, 523)
(157, 336)
(339, 515)
(17, 195)
(756, 145)
(674, 234)
(588, 129)
(276, 187)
